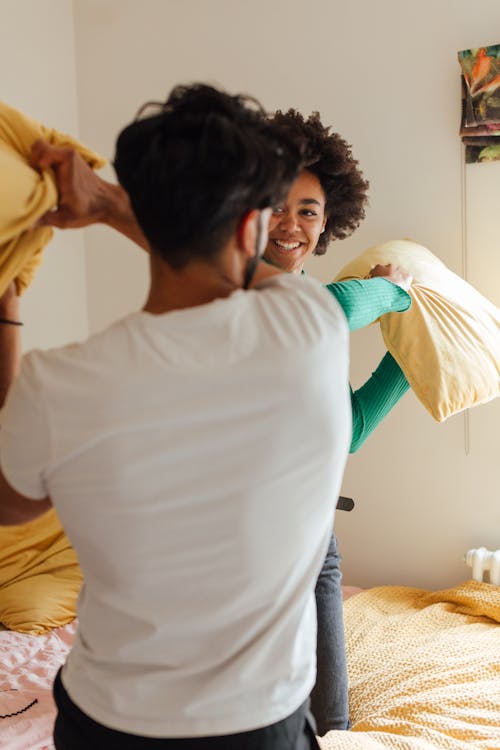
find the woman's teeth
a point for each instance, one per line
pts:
(287, 245)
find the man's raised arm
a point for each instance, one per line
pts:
(84, 197)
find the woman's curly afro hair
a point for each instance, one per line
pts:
(328, 156)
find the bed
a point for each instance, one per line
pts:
(39, 584)
(28, 664)
(424, 670)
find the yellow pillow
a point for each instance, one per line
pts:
(25, 195)
(39, 576)
(448, 342)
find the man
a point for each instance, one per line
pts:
(194, 450)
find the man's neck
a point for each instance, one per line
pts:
(198, 283)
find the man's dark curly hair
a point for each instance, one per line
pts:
(197, 164)
(328, 156)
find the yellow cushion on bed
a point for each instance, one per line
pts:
(448, 342)
(25, 195)
(39, 576)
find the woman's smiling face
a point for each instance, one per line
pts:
(296, 224)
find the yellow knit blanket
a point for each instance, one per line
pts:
(25, 195)
(424, 669)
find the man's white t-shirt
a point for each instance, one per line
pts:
(195, 459)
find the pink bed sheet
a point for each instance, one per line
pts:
(28, 664)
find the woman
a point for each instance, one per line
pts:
(327, 202)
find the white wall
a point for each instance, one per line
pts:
(37, 60)
(386, 76)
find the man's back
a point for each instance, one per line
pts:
(194, 459)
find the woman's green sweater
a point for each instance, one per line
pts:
(363, 301)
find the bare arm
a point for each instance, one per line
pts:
(15, 508)
(84, 197)
(10, 340)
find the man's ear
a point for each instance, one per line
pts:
(247, 232)
(254, 227)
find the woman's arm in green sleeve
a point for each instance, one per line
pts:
(365, 300)
(375, 399)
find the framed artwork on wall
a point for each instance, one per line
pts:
(480, 122)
